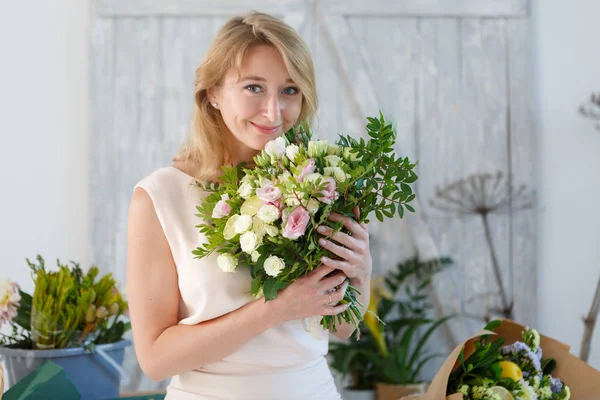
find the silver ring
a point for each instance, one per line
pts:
(330, 300)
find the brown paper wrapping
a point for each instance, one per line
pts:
(582, 379)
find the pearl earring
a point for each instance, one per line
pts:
(214, 105)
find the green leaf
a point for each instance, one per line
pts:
(400, 211)
(409, 208)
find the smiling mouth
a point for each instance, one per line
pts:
(266, 129)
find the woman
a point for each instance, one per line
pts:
(193, 322)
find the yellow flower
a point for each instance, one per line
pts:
(378, 292)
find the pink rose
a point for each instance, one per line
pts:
(222, 209)
(296, 223)
(329, 193)
(308, 168)
(268, 193)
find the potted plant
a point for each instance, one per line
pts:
(74, 319)
(387, 359)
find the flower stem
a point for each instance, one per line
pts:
(506, 306)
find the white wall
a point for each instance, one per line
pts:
(567, 70)
(44, 134)
(44, 148)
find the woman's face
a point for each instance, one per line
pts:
(259, 106)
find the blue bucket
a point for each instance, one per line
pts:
(96, 376)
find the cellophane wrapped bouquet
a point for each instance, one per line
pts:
(265, 217)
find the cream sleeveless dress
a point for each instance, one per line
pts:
(283, 363)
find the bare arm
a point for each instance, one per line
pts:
(165, 348)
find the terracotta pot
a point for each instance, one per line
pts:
(386, 391)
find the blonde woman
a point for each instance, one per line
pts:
(193, 322)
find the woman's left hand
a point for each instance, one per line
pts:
(355, 256)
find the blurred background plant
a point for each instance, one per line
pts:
(392, 348)
(69, 308)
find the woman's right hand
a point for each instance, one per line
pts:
(309, 295)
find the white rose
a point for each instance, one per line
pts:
(243, 223)
(248, 242)
(227, 262)
(245, 190)
(317, 148)
(268, 213)
(339, 174)
(313, 206)
(276, 148)
(332, 161)
(274, 265)
(291, 151)
(258, 227)
(255, 256)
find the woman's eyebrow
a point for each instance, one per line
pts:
(260, 79)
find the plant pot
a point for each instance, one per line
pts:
(358, 394)
(96, 376)
(386, 391)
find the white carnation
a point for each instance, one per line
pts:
(248, 241)
(268, 213)
(227, 262)
(276, 148)
(243, 223)
(313, 206)
(273, 265)
(291, 151)
(245, 190)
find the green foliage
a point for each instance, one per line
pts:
(68, 309)
(407, 329)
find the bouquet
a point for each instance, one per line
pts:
(495, 371)
(266, 217)
(69, 308)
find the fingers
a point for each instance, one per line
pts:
(321, 271)
(354, 227)
(339, 237)
(341, 265)
(327, 310)
(332, 282)
(342, 252)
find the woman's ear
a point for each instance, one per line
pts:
(213, 96)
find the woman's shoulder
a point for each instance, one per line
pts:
(163, 178)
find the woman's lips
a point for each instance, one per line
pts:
(267, 130)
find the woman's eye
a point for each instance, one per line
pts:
(290, 90)
(254, 88)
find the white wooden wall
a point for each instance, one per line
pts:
(455, 77)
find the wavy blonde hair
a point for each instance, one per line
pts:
(206, 145)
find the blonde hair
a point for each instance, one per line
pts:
(206, 145)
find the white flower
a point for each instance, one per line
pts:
(245, 190)
(271, 230)
(243, 223)
(545, 393)
(248, 241)
(313, 206)
(350, 155)
(464, 389)
(332, 161)
(291, 151)
(337, 173)
(567, 393)
(255, 256)
(528, 392)
(268, 213)
(227, 262)
(536, 338)
(273, 265)
(229, 230)
(317, 148)
(292, 201)
(285, 177)
(9, 301)
(276, 148)
(313, 177)
(334, 149)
